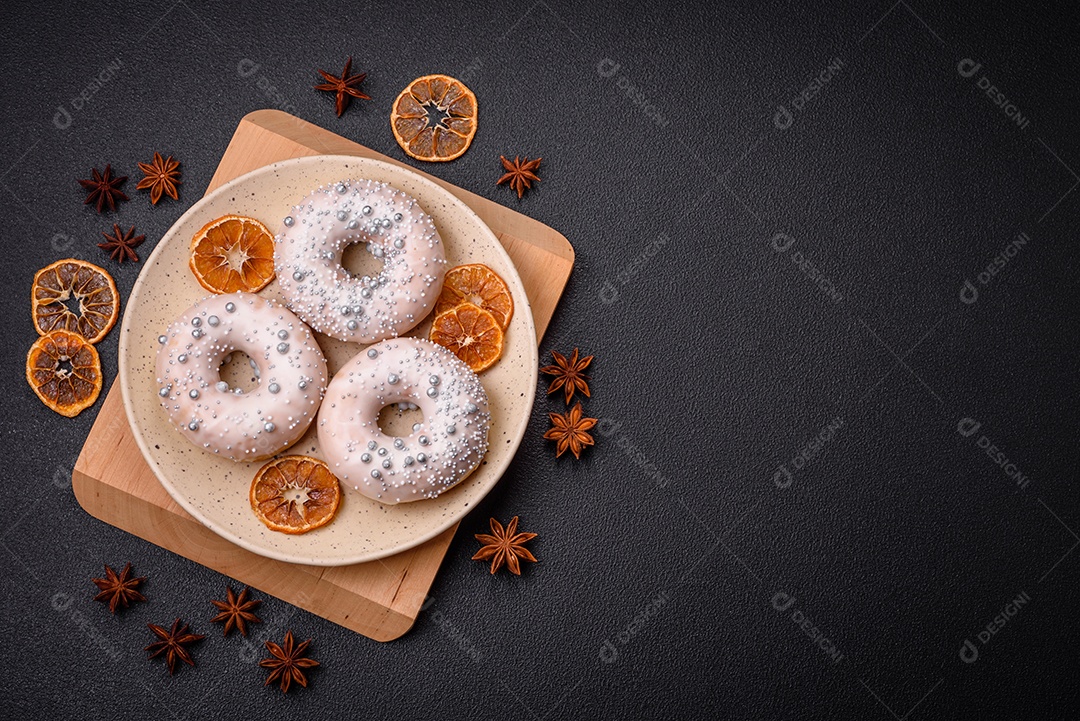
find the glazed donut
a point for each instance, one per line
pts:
(240, 426)
(307, 258)
(437, 455)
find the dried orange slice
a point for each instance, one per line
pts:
(480, 285)
(233, 253)
(471, 333)
(64, 370)
(295, 494)
(56, 284)
(434, 118)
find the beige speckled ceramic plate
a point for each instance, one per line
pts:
(215, 490)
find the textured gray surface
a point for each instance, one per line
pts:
(672, 170)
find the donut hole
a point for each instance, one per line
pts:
(238, 371)
(397, 422)
(359, 262)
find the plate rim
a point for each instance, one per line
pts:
(124, 372)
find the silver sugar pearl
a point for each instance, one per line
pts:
(408, 460)
(397, 217)
(222, 386)
(297, 276)
(432, 392)
(451, 429)
(386, 222)
(269, 427)
(283, 334)
(421, 457)
(399, 444)
(382, 451)
(342, 215)
(415, 426)
(341, 188)
(372, 353)
(471, 408)
(352, 325)
(377, 251)
(196, 322)
(433, 380)
(282, 347)
(423, 440)
(162, 340)
(386, 463)
(353, 225)
(182, 358)
(365, 457)
(164, 392)
(197, 333)
(194, 394)
(213, 321)
(367, 210)
(289, 221)
(230, 307)
(193, 426)
(372, 445)
(302, 385)
(346, 310)
(365, 292)
(375, 474)
(399, 243)
(392, 379)
(273, 388)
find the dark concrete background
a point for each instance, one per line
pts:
(781, 518)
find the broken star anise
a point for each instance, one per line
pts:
(162, 177)
(103, 189)
(118, 590)
(570, 431)
(173, 644)
(569, 374)
(286, 662)
(504, 546)
(343, 87)
(519, 174)
(236, 611)
(121, 245)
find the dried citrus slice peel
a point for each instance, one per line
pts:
(57, 284)
(233, 253)
(480, 285)
(471, 333)
(434, 118)
(64, 370)
(295, 494)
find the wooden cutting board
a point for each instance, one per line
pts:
(380, 599)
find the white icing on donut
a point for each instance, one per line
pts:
(240, 426)
(307, 257)
(437, 455)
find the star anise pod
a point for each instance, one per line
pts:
(571, 431)
(504, 546)
(286, 662)
(118, 591)
(519, 174)
(162, 176)
(173, 644)
(344, 87)
(121, 245)
(235, 611)
(569, 374)
(104, 189)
